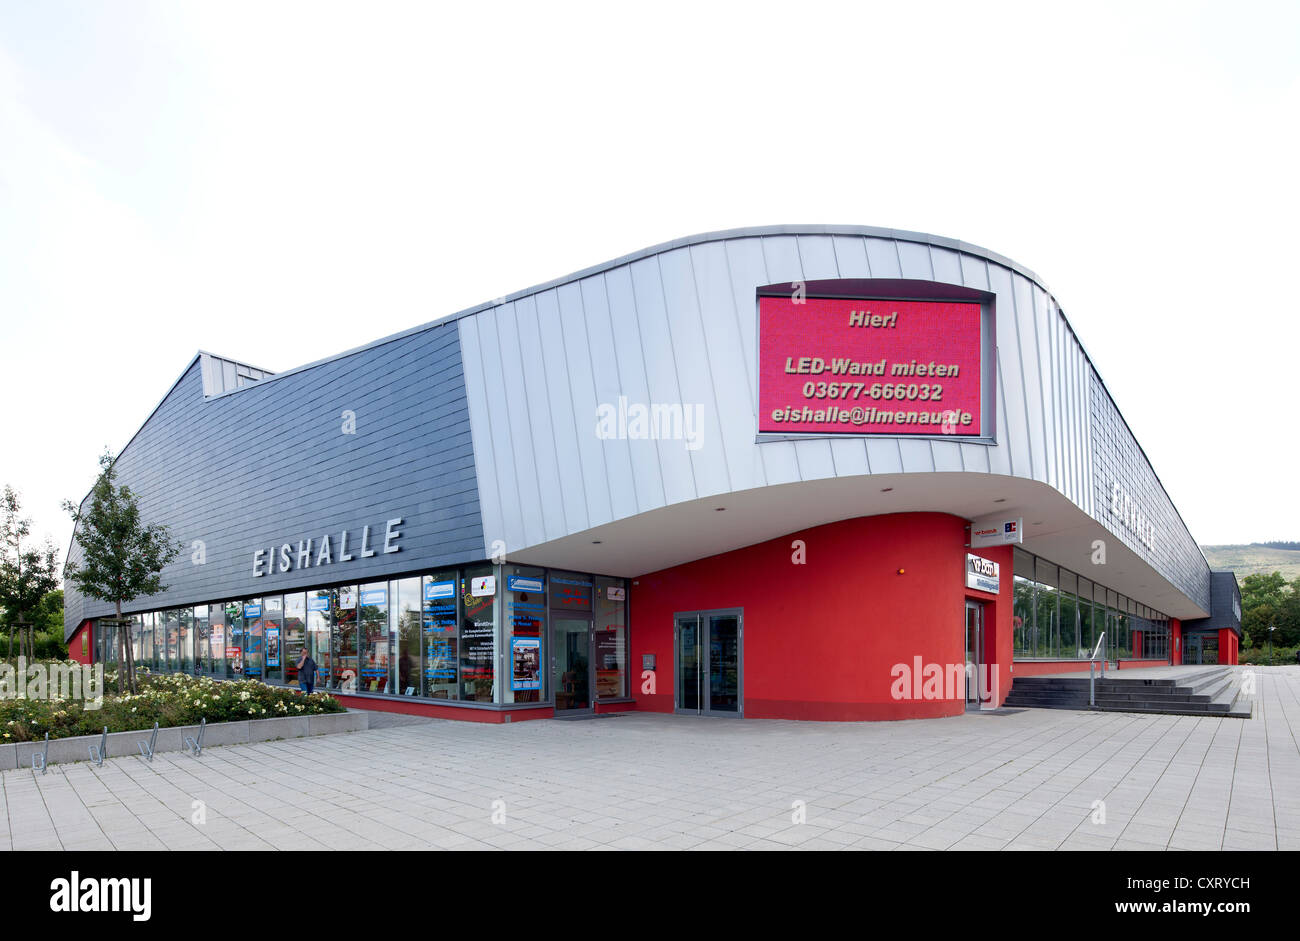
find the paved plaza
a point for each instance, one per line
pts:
(1010, 779)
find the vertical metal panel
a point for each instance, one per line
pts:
(728, 370)
(608, 386)
(1042, 367)
(694, 370)
(882, 255)
(542, 433)
(914, 261)
(564, 417)
(582, 390)
(785, 263)
(748, 270)
(644, 453)
(1000, 456)
(946, 265)
(851, 257)
(661, 373)
(975, 274)
(918, 455)
(518, 423)
(1025, 334)
(1013, 388)
(503, 451)
(480, 416)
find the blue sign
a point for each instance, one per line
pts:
(318, 602)
(435, 590)
(375, 596)
(523, 583)
(252, 610)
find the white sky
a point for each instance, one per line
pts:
(278, 182)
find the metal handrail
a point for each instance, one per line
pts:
(1092, 682)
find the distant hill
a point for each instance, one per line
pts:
(1255, 559)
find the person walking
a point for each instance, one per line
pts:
(306, 672)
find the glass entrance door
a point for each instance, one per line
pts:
(709, 652)
(571, 665)
(974, 650)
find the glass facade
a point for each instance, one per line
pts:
(1058, 615)
(474, 634)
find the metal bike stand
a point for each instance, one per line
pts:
(99, 752)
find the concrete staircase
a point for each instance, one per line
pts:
(1209, 692)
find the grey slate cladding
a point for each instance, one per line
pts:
(270, 464)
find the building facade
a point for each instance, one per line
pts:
(824, 472)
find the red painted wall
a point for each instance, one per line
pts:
(821, 637)
(1227, 646)
(439, 712)
(74, 644)
(1176, 641)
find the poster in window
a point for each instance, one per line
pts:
(525, 663)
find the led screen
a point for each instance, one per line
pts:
(882, 367)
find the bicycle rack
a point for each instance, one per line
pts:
(146, 751)
(99, 752)
(195, 745)
(39, 761)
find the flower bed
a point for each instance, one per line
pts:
(170, 700)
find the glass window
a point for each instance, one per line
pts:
(254, 634)
(218, 639)
(343, 601)
(404, 609)
(1022, 617)
(236, 642)
(319, 647)
(172, 634)
(293, 634)
(146, 642)
(185, 640)
(373, 642)
(272, 636)
(441, 656)
(570, 592)
(525, 594)
(202, 634)
(611, 638)
(478, 634)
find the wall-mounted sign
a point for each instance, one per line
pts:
(525, 663)
(318, 602)
(524, 583)
(436, 590)
(309, 553)
(252, 610)
(1125, 509)
(347, 599)
(996, 532)
(481, 586)
(616, 593)
(982, 574)
(856, 367)
(374, 596)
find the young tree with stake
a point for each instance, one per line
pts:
(121, 558)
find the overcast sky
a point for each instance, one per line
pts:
(278, 182)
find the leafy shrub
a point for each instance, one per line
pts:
(168, 699)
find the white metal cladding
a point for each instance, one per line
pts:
(676, 324)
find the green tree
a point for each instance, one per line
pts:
(122, 558)
(27, 573)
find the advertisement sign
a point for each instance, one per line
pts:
(347, 599)
(849, 366)
(435, 590)
(996, 532)
(483, 585)
(524, 583)
(525, 663)
(272, 646)
(252, 610)
(374, 596)
(616, 594)
(982, 574)
(318, 602)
